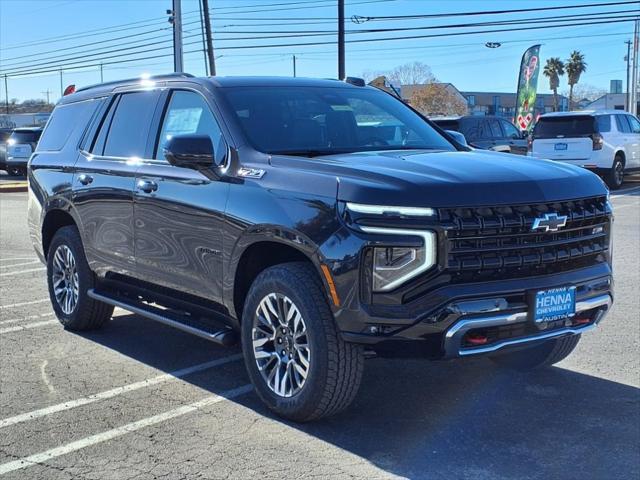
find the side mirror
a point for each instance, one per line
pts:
(458, 137)
(190, 151)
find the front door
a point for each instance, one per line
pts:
(179, 212)
(104, 178)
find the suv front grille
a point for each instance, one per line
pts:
(500, 240)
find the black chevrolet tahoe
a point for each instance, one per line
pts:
(317, 222)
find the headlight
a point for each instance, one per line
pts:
(394, 265)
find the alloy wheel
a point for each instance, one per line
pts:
(65, 279)
(281, 345)
(619, 173)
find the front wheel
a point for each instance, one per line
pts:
(297, 361)
(540, 356)
(615, 176)
(69, 277)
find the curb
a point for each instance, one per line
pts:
(14, 187)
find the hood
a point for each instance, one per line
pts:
(444, 179)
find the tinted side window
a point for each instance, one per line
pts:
(189, 114)
(129, 128)
(494, 128)
(623, 124)
(634, 123)
(470, 128)
(509, 130)
(64, 120)
(604, 123)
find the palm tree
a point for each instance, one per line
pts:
(554, 69)
(575, 67)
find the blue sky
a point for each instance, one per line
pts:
(461, 60)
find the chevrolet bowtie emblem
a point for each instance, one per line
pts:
(551, 222)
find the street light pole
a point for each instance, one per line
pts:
(341, 69)
(61, 86)
(178, 65)
(101, 76)
(294, 65)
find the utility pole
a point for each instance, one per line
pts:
(341, 69)
(101, 76)
(6, 96)
(176, 20)
(47, 92)
(204, 45)
(207, 28)
(628, 59)
(294, 65)
(634, 69)
(61, 85)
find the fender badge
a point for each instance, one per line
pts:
(251, 172)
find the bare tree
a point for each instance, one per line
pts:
(406, 74)
(585, 91)
(437, 99)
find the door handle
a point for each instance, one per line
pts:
(85, 179)
(147, 186)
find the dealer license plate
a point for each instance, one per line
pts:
(554, 304)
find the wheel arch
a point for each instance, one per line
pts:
(621, 153)
(53, 220)
(257, 256)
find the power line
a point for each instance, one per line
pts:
(491, 12)
(368, 40)
(59, 59)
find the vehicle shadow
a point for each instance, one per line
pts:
(454, 420)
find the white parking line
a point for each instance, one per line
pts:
(183, 372)
(28, 326)
(7, 274)
(120, 431)
(22, 319)
(32, 262)
(11, 259)
(21, 304)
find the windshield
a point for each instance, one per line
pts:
(324, 120)
(552, 127)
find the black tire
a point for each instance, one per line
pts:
(335, 366)
(615, 175)
(540, 356)
(87, 314)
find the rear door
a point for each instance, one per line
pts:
(633, 144)
(513, 137)
(565, 138)
(179, 212)
(104, 179)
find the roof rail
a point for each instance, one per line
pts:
(165, 76)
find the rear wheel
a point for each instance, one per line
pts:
(615, 176)
(69, 277)
(300, 366)
(540, 356)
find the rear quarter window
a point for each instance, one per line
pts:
(604, 123)
(64, 120)
(566, 126)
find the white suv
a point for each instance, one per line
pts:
(606, 141)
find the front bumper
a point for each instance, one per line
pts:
(591, 311)
(499, 310)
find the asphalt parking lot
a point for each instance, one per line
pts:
(140, 400)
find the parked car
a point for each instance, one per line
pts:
(284, 212)
(20, 146)
(486, 132)
(5, 133)
(606, 142)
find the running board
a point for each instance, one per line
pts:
(223, 336)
